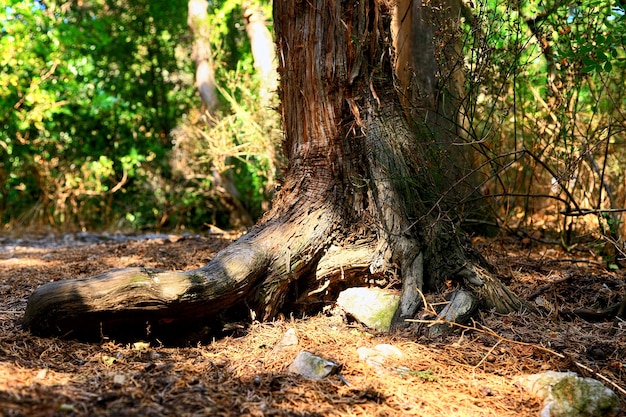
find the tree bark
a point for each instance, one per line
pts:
(358, 203)
(263, 53)
(201, 53)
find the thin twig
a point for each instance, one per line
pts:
(487, 354)
(586, 212)
(555, 176)
(445, 193)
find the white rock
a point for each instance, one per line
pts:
(289, 339)
(388, 351)
(374, 307)
(377, 356)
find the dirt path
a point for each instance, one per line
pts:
(245, 373)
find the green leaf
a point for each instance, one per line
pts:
(589, 68)
(588, 62)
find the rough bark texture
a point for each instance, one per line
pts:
(358, 203)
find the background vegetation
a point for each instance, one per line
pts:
(101, 124)
(545, 110)
(102, 127)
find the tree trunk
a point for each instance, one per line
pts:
(263, 52)
(358, 202)
(201, 53)
(430, 68)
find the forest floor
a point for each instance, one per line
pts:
(468, 373)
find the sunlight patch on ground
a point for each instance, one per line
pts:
(15, 378)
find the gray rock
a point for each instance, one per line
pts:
(565, 394)
(374, 307)
(460, 309)
(312, 366)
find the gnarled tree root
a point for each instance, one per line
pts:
(296, 262)
(127, 302)
(258, 273)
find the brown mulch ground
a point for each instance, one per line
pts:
(245, 374)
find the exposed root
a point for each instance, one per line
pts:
(125, 300)
(497, 296)
(253, 273)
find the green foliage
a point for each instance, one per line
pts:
(99, 127)
(234, 150)
(597, 40)
(89, 95)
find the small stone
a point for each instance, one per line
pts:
(372, 358)
(42, 373)
(119, 379)
(312, 366)
(388, 351)
(374, 307)
(289, 339)
(377, 356)
(66, 408)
